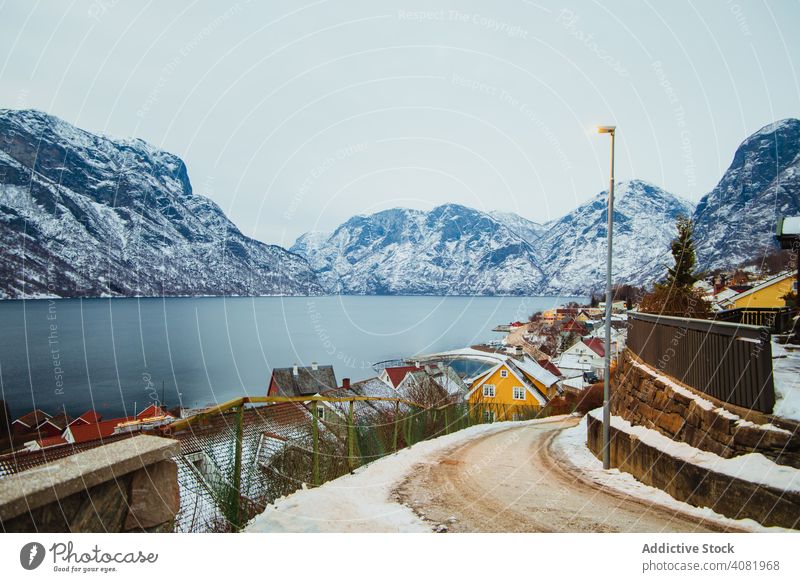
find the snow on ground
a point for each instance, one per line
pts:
(786, 371)
(570, 445)
(361, 502)
(753, 467)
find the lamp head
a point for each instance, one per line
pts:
(606, 128)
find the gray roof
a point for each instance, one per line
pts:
(307, 382)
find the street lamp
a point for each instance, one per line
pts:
(610, 129)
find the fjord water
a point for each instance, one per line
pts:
(116, 354)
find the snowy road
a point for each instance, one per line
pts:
(508, 481)
(491, 477)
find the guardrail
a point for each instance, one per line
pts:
(728, 361)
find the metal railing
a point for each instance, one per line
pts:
(777, 319)
(730, 362)
(332, 436)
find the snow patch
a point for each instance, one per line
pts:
(570, 445)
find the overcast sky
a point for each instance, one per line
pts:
(295, 115)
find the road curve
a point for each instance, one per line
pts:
(509, 481)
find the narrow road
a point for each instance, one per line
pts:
(510, 482)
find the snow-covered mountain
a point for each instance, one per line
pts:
(87, 215)
(573, 248)
(450, 250)
(458, 250)
(736, 220)
(519, 225)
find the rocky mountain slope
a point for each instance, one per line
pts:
(86, 215)
(736, 221)
(455, 250)
(573, 248)
(451, 250)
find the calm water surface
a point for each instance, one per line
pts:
(116, 354)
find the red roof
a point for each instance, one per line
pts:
(82, 433)
(34, 418)
(596, 345)
(88, 417)
(398, 374)
(574, 326)
(51, 442)
(550, 366)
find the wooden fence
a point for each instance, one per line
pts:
(730, 362)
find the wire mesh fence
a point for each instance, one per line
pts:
(242, 456)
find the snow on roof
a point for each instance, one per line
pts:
(575, 382)
(534, 370)
(791, 225)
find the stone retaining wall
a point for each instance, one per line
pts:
(129, 485)
(732, 497)
(643, 399)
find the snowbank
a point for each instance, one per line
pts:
(570, 445)
(361, 502)
(786, 372)
(753, 467)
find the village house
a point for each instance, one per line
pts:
(394, 375)
(768, 293)
(511, 390)
(28, 422)
(586, 355)
(81, 430)
(431, 380)
(302, 380)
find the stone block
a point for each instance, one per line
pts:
(154, 496)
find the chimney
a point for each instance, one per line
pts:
(294, 370)
(416, 364)
(346, 383)
(314, 366)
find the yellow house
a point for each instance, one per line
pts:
(767, 294)
(511, 390)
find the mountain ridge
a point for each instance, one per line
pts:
(83, 215)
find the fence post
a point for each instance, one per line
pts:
(446, 423)
(410, 427)
(315, 437)
(351, 445)
(396, 425)
(237, 466)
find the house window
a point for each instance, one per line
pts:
(504, 373)
(320, 412)
(519, 393)
(488, 416)
(488, 390)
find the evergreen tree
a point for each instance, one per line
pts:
(682, 275)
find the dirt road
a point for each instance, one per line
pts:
(509, 482)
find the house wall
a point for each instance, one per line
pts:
(769, 296)
(503, 403)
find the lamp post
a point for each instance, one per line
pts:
(610, 129)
